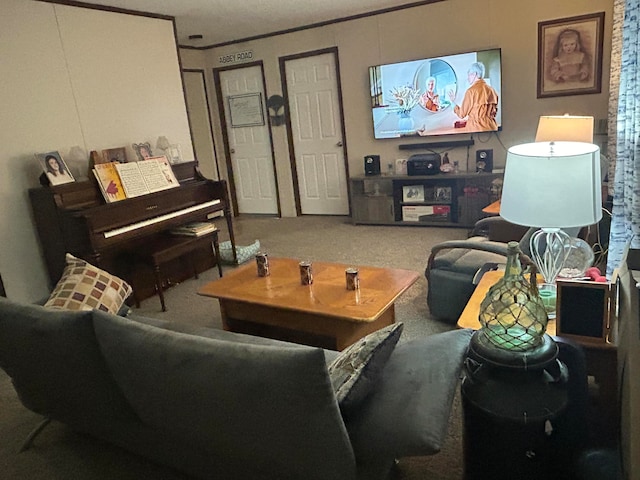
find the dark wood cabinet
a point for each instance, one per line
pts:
(452, 199)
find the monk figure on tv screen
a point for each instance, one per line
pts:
(480, 103)
(430, 98)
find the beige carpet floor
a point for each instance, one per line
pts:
(61, 454)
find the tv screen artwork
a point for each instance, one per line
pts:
(437, 96)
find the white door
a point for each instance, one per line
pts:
(249, 141)
(198, 111)
(316, 125)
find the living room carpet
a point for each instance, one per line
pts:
(61, 454)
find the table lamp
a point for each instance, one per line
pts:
(565, 128)
(552, 185)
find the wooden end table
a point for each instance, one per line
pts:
(324, 314)
(602, 358)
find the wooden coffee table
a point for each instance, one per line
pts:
(324, 314)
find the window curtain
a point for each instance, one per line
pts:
(625, 219)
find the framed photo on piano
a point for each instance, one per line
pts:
(55, 169)
(143, 150)
(174, 154)
(115, 155)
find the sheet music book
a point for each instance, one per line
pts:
(146, 176)
(109, 182)
(194, 229)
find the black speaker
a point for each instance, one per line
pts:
(484, 160)
(585, 309)
(372, 165)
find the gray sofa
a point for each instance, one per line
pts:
(215, 404)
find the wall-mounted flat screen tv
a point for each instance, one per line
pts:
(419, 97)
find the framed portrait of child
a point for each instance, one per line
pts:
(570, 55)
(55, 168)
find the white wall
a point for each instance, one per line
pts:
(442, 28)
(70, 77)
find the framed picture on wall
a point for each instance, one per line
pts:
(570, 55)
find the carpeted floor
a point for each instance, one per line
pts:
(60, 454)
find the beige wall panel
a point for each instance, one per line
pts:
(199, 114)
(38, 114)
(75, 77)
(126, 79)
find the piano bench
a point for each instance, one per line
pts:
(170, 247)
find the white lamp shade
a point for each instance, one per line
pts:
(552, 185)
(565, 128)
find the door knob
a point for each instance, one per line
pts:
(339, 144)
(233, 150)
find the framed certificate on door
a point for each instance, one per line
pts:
(246, 110)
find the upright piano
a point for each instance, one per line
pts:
(75, 218)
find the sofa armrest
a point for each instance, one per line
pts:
(407, 414)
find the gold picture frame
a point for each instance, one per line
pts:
(115, 155)
(570, 55)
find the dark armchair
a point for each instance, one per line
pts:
(454, 266)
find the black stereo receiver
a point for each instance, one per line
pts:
(423, 164)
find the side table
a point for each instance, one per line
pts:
(602, 362)
(492, 208)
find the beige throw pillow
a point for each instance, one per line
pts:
(85, 287)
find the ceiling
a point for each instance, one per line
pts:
(223, 21)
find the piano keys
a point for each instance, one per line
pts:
(75, 218)
(161, 218)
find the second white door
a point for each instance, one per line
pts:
(316, 124)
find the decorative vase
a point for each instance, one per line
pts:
(405, 122)
(512, 314)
